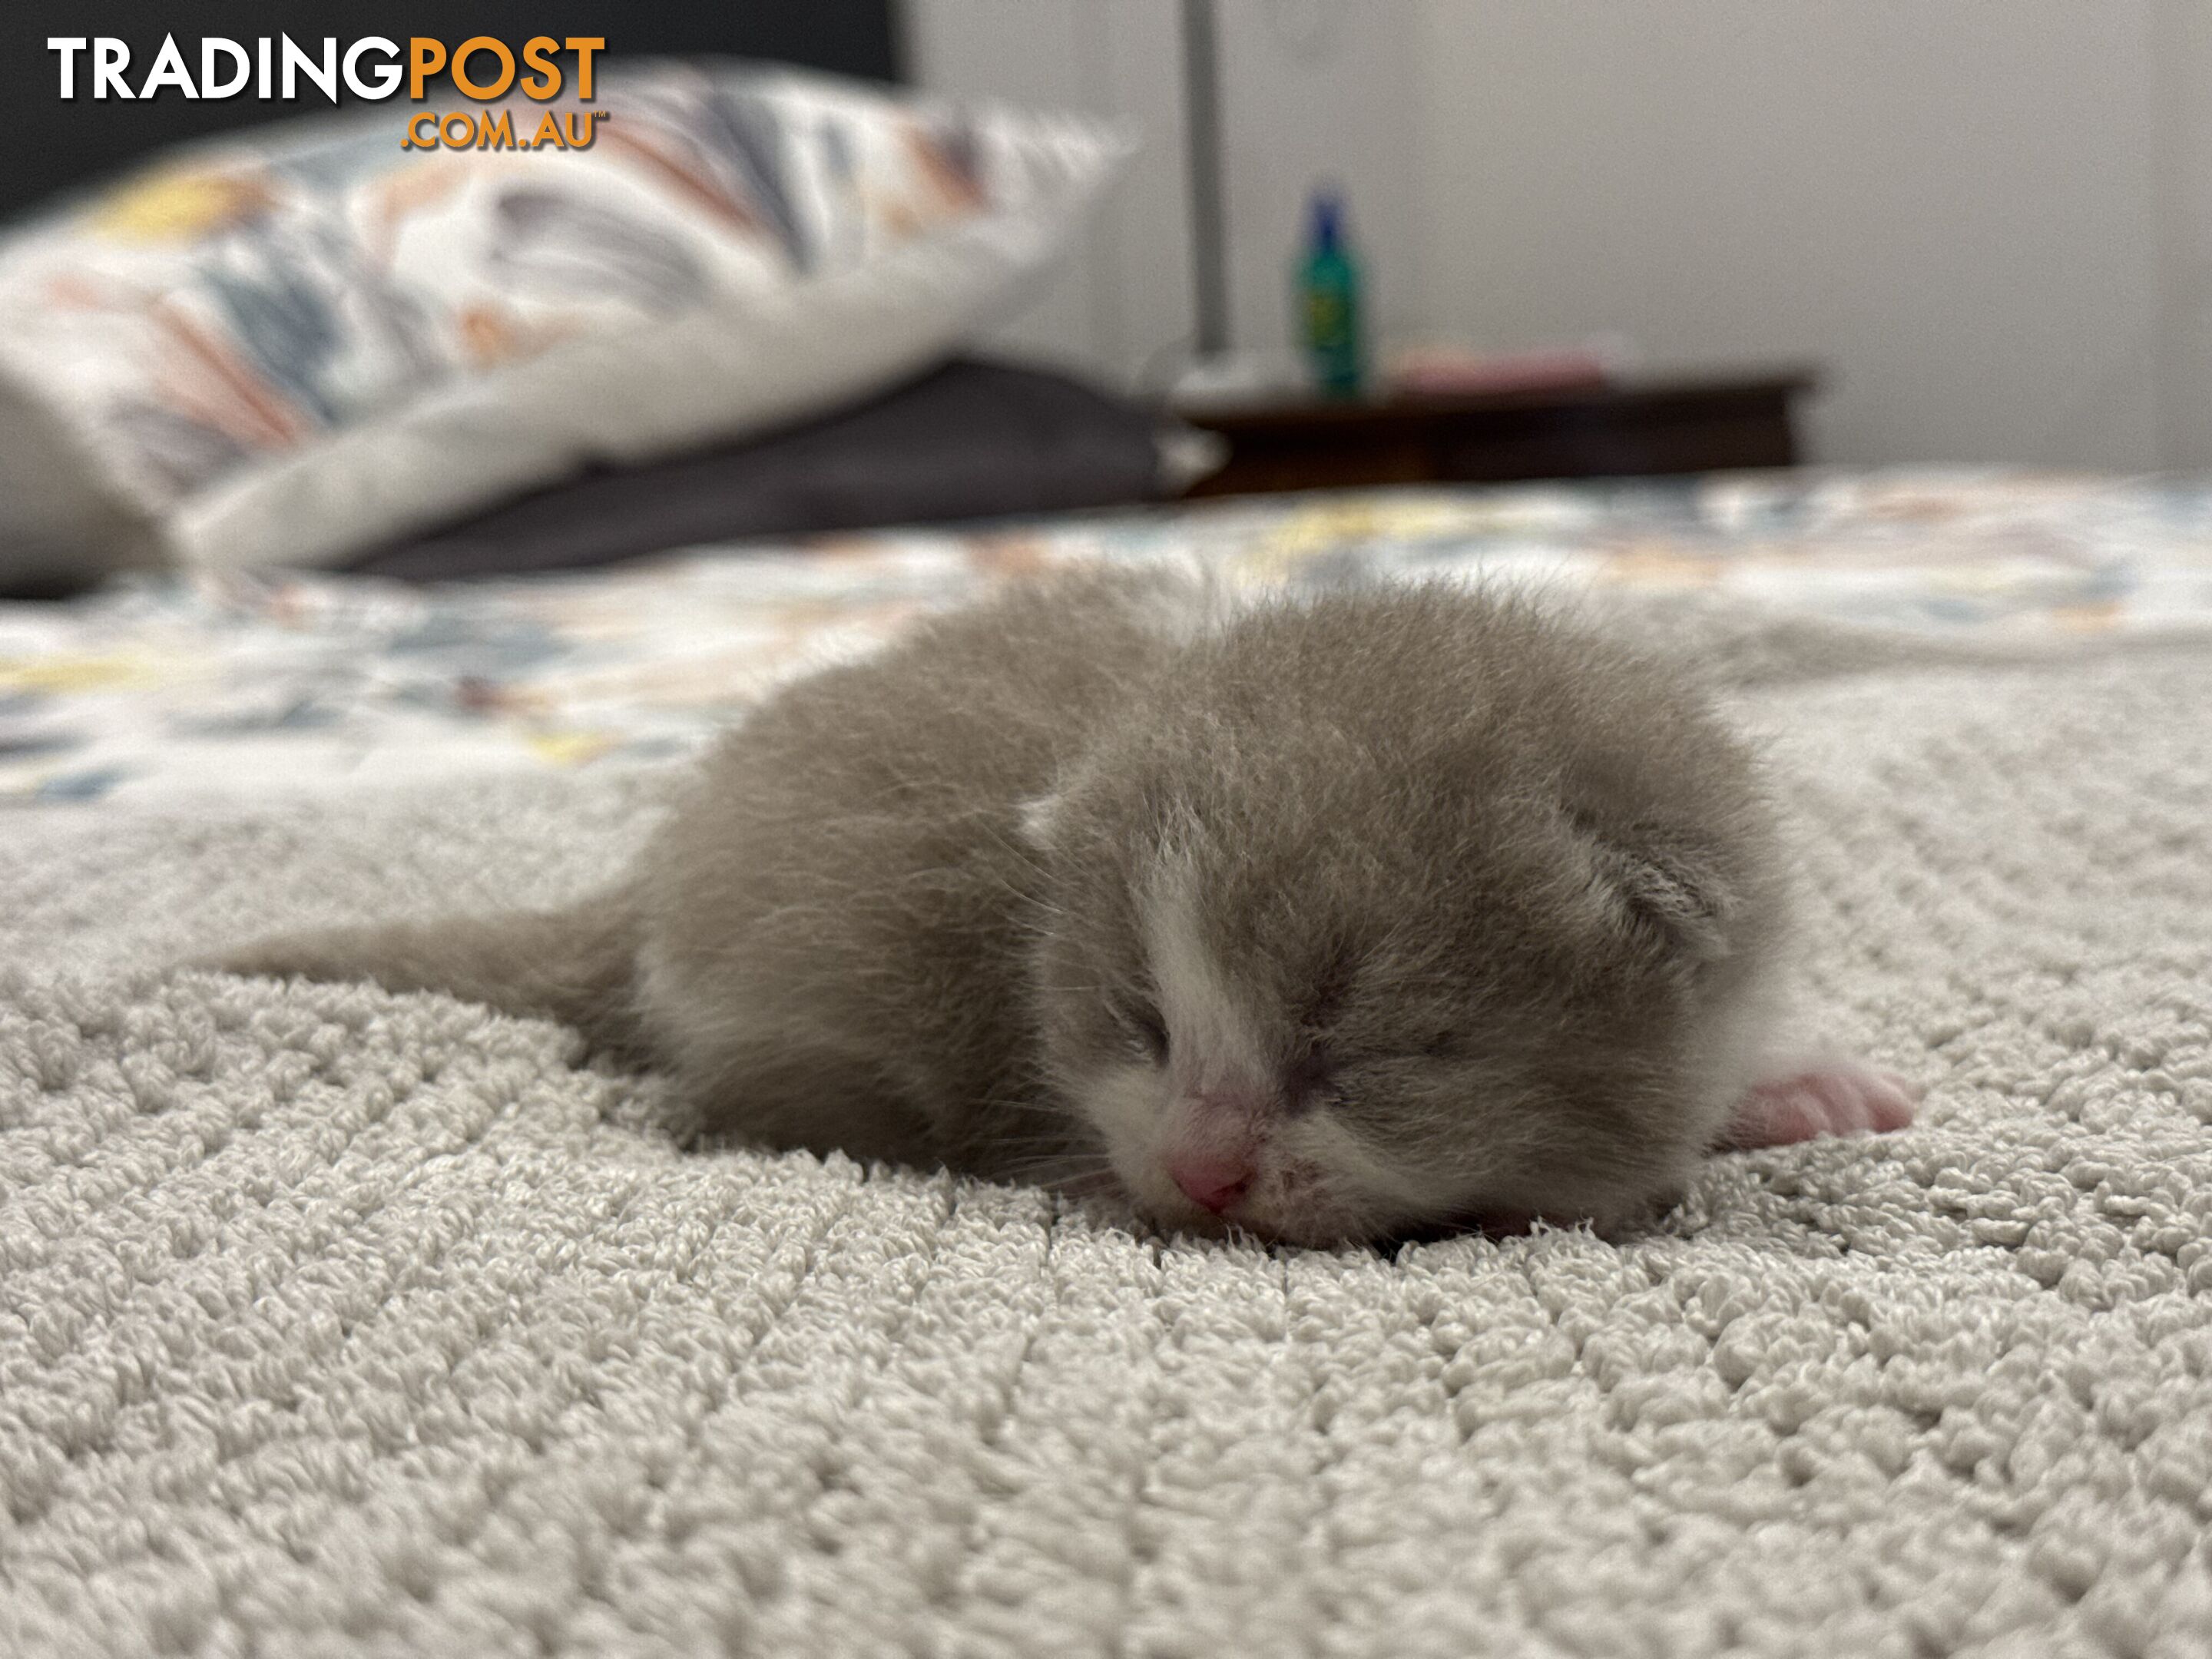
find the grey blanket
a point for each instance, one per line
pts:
(337, 1323)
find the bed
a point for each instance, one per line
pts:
(336, 1321)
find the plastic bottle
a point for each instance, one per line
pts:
(1328, 302)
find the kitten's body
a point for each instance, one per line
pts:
(846, 900)
(1327, 918)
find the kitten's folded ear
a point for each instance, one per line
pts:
(1037, 817)
(1672, 888)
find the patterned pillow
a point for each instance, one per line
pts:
(308, 339)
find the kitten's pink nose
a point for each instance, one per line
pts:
(1212, 1180)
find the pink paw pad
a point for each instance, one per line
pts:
(1840, 1099)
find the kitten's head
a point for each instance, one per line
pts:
(1427, 942)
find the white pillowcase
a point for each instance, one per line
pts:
(299, 343)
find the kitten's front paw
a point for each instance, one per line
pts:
(1839, 1097)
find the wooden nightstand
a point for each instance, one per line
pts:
(1626, 428)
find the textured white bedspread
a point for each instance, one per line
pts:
(337, 1323)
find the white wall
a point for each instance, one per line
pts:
(1948, 202)
(1989, 220)
(1315, 90)
(1311, 90)
(1124, 304)
(2181, 70)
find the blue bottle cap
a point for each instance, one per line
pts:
(1328, 221)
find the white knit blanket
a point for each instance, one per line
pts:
(337, 1323)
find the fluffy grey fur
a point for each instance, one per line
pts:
(1423, 905)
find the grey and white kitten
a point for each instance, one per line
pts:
(1327, 919)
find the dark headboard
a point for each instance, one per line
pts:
(52, 145)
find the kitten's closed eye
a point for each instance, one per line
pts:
(1142, 1024)
(1311, 1081)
